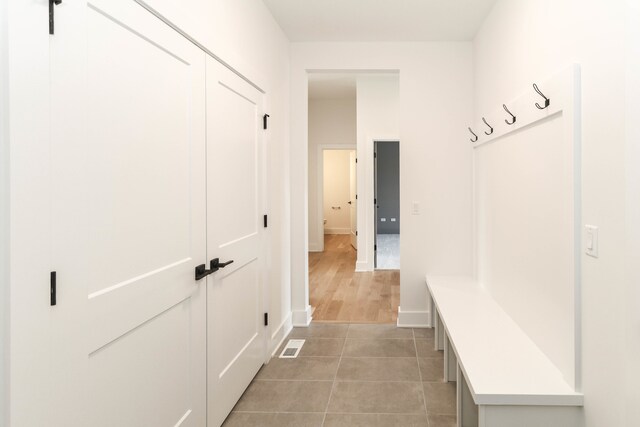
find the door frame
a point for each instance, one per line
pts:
(374, 219)
(320, 185)
(370, 209)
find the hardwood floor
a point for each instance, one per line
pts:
(339, 294)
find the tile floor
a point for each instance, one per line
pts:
(352, 375)
(388, 253)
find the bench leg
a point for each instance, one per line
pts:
(467, 410)
(439, 333)
(450, 361)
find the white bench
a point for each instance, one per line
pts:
(503, 379)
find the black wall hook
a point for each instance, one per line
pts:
(511, 114)
(476, 136)
(547, 101)
(490, 128)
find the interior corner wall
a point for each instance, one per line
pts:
(331, 122)
(378, 118)
(244, 34)
(545, 36)
(436, 85)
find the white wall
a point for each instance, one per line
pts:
(435, 104)
(633, 211)
(4, 217)
(336, 191)
(244, 34)
(524, 41)
(332, 122)
(378, 118)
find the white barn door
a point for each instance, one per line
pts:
(235, 206)
(128, 219)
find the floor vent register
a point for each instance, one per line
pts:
(292, 349)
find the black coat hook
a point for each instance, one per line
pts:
(511, 114)
(476, 136)
(547, 101)
(490, 128)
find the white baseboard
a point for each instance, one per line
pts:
(301, 318)
(414, 319)
(280, 333)
(315, 247)
(363, 266)
(337, 231)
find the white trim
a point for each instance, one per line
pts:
(337, 231)
(4, 215)
(280, 335)
(414, 319)
(320, 148)
(301, 318)
(315, 248)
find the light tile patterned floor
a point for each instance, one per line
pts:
(388, 253)
(352, 375)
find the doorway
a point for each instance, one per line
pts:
(386, 159)
(339, 204)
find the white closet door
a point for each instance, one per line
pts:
(129, 219)
(235, 183)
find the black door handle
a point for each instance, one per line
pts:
(215, 264)
(349, 202)
(202, 272)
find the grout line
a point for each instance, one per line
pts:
(344, 344)
(424, 397)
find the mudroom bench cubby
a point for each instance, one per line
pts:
(503, 378)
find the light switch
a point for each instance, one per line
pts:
(591, 240)
(415, 208)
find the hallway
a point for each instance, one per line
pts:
(339, 294)
(352, 375)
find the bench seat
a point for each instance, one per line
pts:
(501, 364)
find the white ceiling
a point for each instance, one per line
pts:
(379, 20)
(332, 86)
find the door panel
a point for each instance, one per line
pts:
(128, 165)
(235, 333)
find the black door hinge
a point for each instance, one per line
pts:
(266, 319)
(356, 197)
(264, 121)
(375, 201)
(375, 247)
(53, 288)
(356, 160)
(375, 155)
(356, 233)
(265, 221)
(51, 5)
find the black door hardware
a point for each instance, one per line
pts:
(215, 264)
(51, 4)
(265, 221)
(202, 272)
(264, 121)
(53, 291)
(349, 202)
